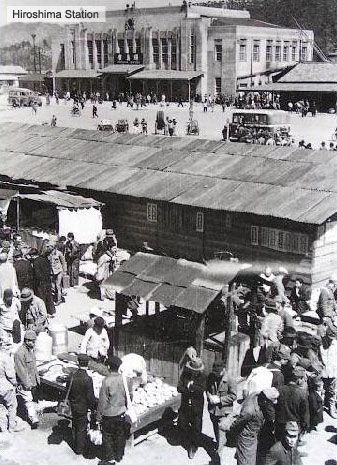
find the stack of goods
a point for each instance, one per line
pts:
(153, 394)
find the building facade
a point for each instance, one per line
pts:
(222, 49)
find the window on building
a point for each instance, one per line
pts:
(73, 52)
(62, 57)
(199, 225)
(286, 52)
(218, 50)
(130, 46)
(105, 52)
(254, 235)
(155, 46)
(269, 51)
(121, 46)
(278, 52)
(228, 221)
(99, 52)
(152, 213)
(294, 51)
(282, 241)
(304, 53)
(164, 50)
(243, 51)
(192, 49)
(256, 52)
(218, 85)
(138, 47)
(173, 53)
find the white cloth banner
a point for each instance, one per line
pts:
(85, 223)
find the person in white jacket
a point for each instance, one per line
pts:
(96, 341)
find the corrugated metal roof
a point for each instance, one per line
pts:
(313, 72)
(167, 75)
(169, 281)
(77, 73)
(122, 69)
(299, 87)
(62, 199)
(264, 180)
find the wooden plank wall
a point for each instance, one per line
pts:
(324, 262)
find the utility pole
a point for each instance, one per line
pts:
(34, 51)
(40, 67)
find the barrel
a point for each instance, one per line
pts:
(43, 347)
(59, 335)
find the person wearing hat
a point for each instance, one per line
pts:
(326, 305)
(8, 279)
(108, 243)
(328, 351)
(82, 399)
(284, 452)
(305, 355)
(24, 270)
(112, 405)
(285, 311)
(315, 386)
(27, 376)
(96, 341)
(42, 277)
(191, 385)
(58, 267)
(280, 356)
(272, 324)
(254, 410)
(72, 255)
(221, 394)
(33, 311)
(293, 404)
(7, 390)
(278, 284)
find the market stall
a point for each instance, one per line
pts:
(187, 303)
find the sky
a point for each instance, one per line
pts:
(110, 4)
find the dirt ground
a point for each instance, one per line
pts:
(50, 444)
(313, 130)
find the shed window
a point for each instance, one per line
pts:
(256, 52)
(218, 50)
(152, 213)
(200, 222)
(254, 235)
(243, 52)
(228, 221)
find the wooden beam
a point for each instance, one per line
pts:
(200, 335)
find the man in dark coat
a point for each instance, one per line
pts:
(81, 399)
(72, 255)
(24, 270)
(299, 298)
(284, 452)
(192, 385)
(42, 279)
(293, 404)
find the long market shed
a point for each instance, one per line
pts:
(192, 197)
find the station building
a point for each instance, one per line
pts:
(175, 50)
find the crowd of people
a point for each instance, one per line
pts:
(288, 375)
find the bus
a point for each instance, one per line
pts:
(20, 97)
(251, 123)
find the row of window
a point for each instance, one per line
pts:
(280, 240)
(164, 50)
(275, 53)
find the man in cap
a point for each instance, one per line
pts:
(293, 403)
(72, 255)
(192, 385)
(8, 278)
(42, 277)
(27, 376)
(24, 270)
(284, 452)
(111, 410)
(279, 357)
(299, 298)
(82, 398)
(96, 341)
(326, 305)
(7, 390)
(328, 351)
(221, 394)
(108, 243)
(285, 311)
(33, 311)
(58, 267)
(272, 324)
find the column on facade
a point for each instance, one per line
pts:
(149, 48)
(177, 34)
(160, 51)
(102, 51)
(169, 51)
(126, 46)
(115, 42)
(110, 47)
(78, 47)
(68, 50)
(134, 43)
(94, 51)
(85, 51)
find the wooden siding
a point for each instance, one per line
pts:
(324, 262)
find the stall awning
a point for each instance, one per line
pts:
(171, 281)
(122, 69)
(62, 199)
(77, 73)
(294, 87)
(167, 75)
